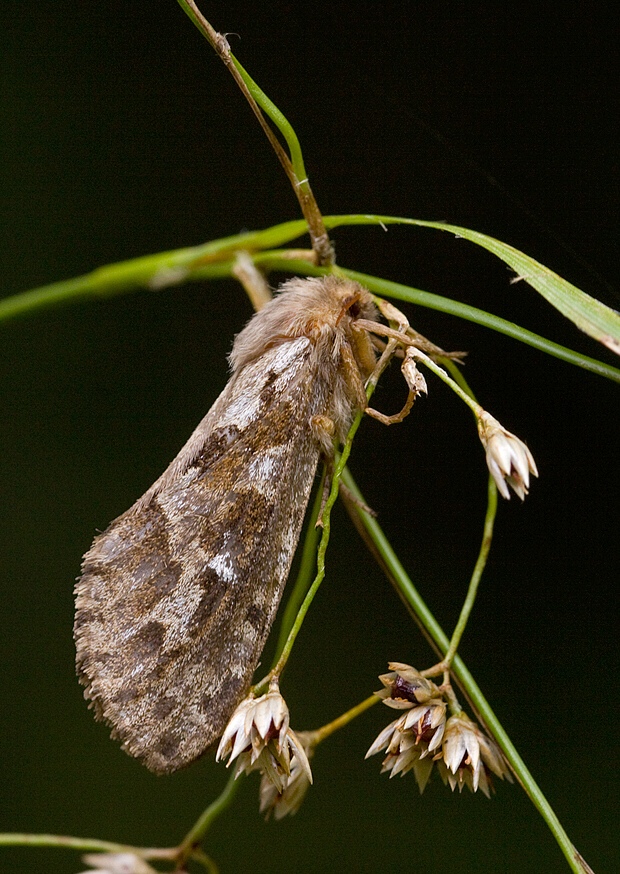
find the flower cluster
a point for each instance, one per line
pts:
(424, 735)
(258, 736)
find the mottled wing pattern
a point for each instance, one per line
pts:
(177, 596)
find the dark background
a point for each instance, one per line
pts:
(122, 134)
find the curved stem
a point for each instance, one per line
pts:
(293, 166)
(206, 861)
(281, 122)
(320, 575)
(340, 467)
(387, 288)
(216, 260)
(485, 546)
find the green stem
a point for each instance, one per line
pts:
(215, 260)
(485, 546)
(387, 288)
(16, 839)
(277, 261)
(473, 405)
(320, 734)
(307, 569)
(339, 469)
(408, 591)
(206, 819)
(206, 861)
(280, 121)
(457, 376)
(320, 575)
(292, 164)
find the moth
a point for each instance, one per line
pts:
(177, 596)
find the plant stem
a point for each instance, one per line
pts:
(320, 575)
(485, 546)
(293, 166)
(16, 839)
(320, 734)
(306, 571)
(205, 820)
(340, 466)
(216, 259)
(411, 596)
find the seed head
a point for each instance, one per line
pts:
(412, 738)
(405, 687)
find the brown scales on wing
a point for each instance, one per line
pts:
(178, 595)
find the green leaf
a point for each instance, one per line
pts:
(588, 313)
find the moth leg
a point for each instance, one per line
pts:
(416, 383)
(324, 429)
(253, 281)
(397, 417)
(353, 375)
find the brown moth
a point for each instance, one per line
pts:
(177, 596)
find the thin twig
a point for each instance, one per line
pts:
(259, 102)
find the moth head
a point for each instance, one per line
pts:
(314, 307)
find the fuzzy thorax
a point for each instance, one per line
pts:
(324, 310)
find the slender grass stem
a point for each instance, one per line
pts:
(485, 546)
(68, 842)
(320, 734)
(306, 572)
(204, 822)
(320, 575)
(412, 597)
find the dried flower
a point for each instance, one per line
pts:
(258, 735)
(422, 735)
(405, 687)
(413, 376)
(289, 800)
(508, 458)
(116, 863)
(468, 756)
(411, 739)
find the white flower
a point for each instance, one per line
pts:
(404, 752)
(116, 863)
(468, 756)
(289, 800)
(508, 458)
(259, 737)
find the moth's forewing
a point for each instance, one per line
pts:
(178, 595)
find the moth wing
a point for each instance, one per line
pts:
(178, 595)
